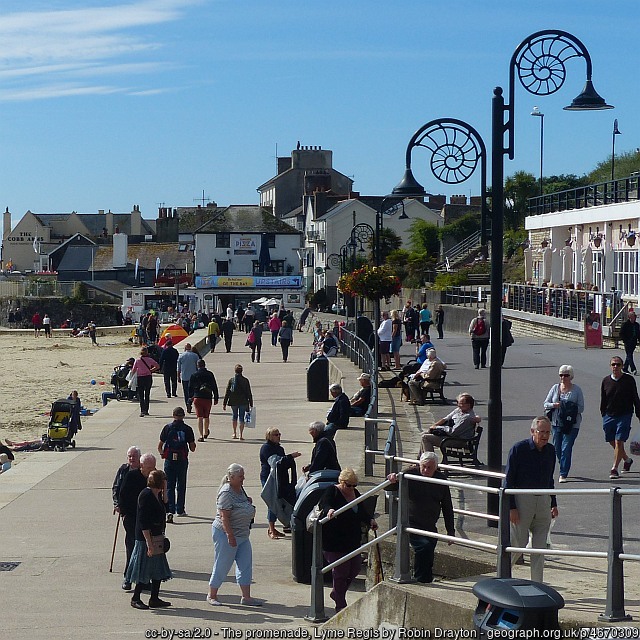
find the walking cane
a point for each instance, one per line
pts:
(115, 539)
(379, 572)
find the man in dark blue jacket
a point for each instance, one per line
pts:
(169, 367)
(338, 416)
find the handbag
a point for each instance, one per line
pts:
(250, 418)
(159, 545)
(313, 516)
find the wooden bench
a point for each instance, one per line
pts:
(462, 450)
(431, 387)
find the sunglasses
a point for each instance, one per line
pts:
(616, 364)
(564, 375)
(351, 486)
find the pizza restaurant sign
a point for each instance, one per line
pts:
(245, 246)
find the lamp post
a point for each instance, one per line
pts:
(616, 132)
(540, 62)
(333, 261)
(536, 112)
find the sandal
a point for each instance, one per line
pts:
(200, 439)
(272, 534)
(206, 435)
(235, 437)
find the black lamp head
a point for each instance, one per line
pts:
(588, 100)
(409, 186)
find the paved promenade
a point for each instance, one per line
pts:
(56, 517)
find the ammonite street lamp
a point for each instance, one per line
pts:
(540, 64)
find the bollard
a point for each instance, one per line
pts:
(402, 573)
(614, 611)
(316, 610)
(503, 566)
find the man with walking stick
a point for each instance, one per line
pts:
(134, 482)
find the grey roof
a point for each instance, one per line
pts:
(79, 258)
(246, 219)
(294, 213)
(95, 222)
(112, 287)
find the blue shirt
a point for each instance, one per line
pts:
(530, 468)
(422, 353)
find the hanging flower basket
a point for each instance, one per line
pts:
(372, 283)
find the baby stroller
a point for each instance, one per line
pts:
(121, 384)
(60, 433)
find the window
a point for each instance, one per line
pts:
(222, 267)
(275, 268)
(625, 271)
(223, 240)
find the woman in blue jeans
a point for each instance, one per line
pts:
(564, 438)
(231, 528)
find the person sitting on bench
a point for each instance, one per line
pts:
(460, 424)
(428, 374)
(360, 401)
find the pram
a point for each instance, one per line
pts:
(60, 433)
(121, 384)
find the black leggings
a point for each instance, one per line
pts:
(144, 392)
(155, 590)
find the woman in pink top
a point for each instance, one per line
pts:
(274, 326)
(145, 366)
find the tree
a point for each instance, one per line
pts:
(389, 241)
(627, 162)
(563, 182)
(424, 237)
(518, 188)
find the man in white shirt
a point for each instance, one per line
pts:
(384, 337)
(430, 371)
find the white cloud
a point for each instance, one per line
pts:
(75, 44)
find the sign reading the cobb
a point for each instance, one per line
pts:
(245, 246)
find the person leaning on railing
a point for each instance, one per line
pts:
(426, 501)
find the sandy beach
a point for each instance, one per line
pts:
(37, 371)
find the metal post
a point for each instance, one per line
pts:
(369, 445)
(494, 406)
(402, 571)
(614, 611)
(503, 567)
(316, 610)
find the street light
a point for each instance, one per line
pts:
(616, 132)
(536, 112)
(540, 62)
(456, 150)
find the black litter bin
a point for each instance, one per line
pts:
(510, 604)
(364, 328)
(301, 539)
(318, 380)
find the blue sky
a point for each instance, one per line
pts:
(107, 103)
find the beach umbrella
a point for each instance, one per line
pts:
(528, 264)
(157, 267)
(259, 300)
(567, 265)
(587, 265)
(135, 271)
(175, 331)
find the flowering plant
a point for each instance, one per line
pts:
(372, 283)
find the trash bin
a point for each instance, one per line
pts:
(318, 380)
(511, 604)
(301, 539)
(364, 328)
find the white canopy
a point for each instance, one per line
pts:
(259, 300)
(270, 303)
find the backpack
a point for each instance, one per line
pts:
(175, 446)
(481, 327)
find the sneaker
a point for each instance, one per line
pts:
(250, 602)
(613, 474)
(214, 603)
(169, 518)
(562, 479)
(142, 414)
(626, 467)
(184, 514)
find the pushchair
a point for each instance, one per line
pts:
(60, 433)
(121, 384)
